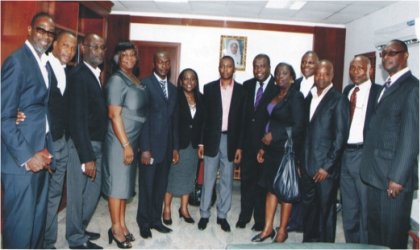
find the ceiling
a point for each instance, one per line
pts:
(321, 12)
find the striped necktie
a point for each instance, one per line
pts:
(163, 86)
(259, 95)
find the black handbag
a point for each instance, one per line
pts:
(286, 183)
(195, 195)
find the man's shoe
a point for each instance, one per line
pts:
(87, 245)
(92, 235)
(224, 224)
(293, 229)
(161, 229)
(257, 227)
(202, 224)
(241, 224)
(145, 233)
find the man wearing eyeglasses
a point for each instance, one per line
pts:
(87, 125)
(389, 160)
(362, 96)
(25, 83)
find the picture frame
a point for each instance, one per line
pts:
(234, 46)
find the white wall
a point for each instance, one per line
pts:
(360, 36)
(359, 39)
(200, 47)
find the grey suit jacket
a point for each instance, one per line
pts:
(392, 141)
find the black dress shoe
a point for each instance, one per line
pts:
(167, 222)
(161, 229)
(87, 245)
(92, 235)
(224, 224)
(202, 224)
(186, 219)
(257, 238)
(145, 233)
(241, 224)
(293, 229)
(257, 227)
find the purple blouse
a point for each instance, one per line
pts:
(270, 108)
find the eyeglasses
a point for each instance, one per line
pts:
(390, 53)
(43, 31)
(96, 47)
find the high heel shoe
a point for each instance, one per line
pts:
(129, 237)
(166, 222)
(188, 220)
(124, 244)
(287, 236)
(257, 238)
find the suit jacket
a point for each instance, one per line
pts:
(392, 141)
(254, 119)
(23, 88)
(189, 128)
(326, 133)
(297, 83)
(160, 130)
(88, 112)
(288, 113)
(213, 121)
(374, 89)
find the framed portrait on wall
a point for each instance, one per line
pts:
(234, 46)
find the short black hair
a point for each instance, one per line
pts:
(400, 42)
(311, 52)
(41, 14)
(228, 57)
(63, 33)
(123, 46)
(265, 56)
(292, 71)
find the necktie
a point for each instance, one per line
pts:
(259, 95)
(387, 84)
(353, 100)
(162, 85)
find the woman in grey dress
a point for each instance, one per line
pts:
(127, 111)
(182, 175)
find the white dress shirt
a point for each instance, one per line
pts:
(59, 72)
(393, 79)
(306, 85)
(96, 71)
(257, 86)
(358, 123)
(317, 99)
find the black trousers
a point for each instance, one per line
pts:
(252, 195)
(389, 219)
(319, 208)
(153, 182)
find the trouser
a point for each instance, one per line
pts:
(82, 194)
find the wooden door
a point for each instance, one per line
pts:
(148, 49)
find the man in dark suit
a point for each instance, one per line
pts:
(221, 144)
(389, 162)
(303, 84)
(362, 95)
(326, 135)
(158, 145)
(25, 83)
(260, 90)
(87, 122)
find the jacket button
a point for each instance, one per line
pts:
(253, 120)
(190, 126)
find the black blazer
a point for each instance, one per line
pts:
(326, 133)
(254, 119)
(160, 130)
(374, 89)
(297, 83)
(88, 112)
(189, 128)
(290, 112)
(213, 119)
(392, 140)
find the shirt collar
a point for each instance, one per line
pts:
(309, 79)
(96, 72)
(398, 74)
(365, 85)
(54, 60)
(229, 86)
(266, 81)
(159, 79)
(43, 60)
(314, 91)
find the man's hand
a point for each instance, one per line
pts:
(90, 169)
(238, 156)
(175, 156)
(200, 152)
(394, 189)
(20, 117)
(267, 138)
(321, 175)
(37, 163)
(145, 157)
(260, 156)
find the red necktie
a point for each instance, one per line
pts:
(353, 100)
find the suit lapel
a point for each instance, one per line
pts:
(158, 88)
(36, 65)
(323, 102)
(95, 80)
(271, 87)
(391, 89)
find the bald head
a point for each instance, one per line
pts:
(161, 64)
(93, 49)
(360, 70)
(324, 73)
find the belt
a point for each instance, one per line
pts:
(224, 132)
(354, 146)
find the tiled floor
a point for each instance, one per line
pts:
(184, 235)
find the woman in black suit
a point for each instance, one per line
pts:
(285, 110)
(182, 175)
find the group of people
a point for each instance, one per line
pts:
(56, 122)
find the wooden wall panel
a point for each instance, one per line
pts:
(329, 43)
